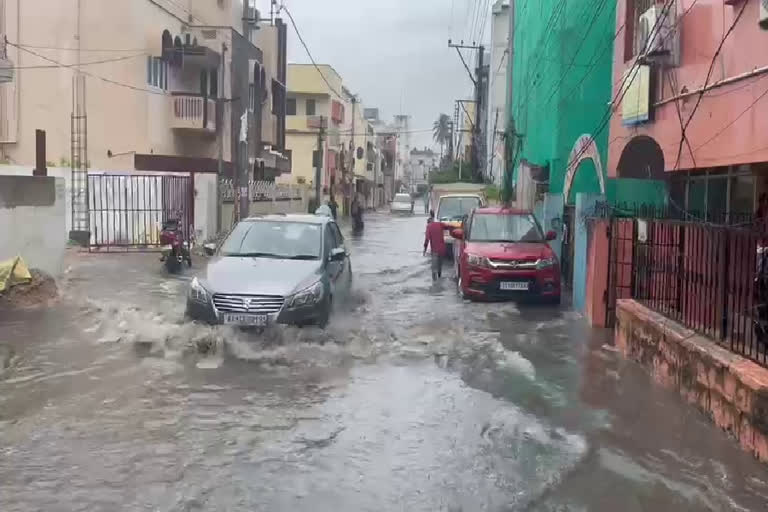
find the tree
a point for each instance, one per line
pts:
(441, 132)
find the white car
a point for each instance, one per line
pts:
(402, 203)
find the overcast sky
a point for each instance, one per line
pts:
(390, 52)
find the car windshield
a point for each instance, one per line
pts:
(505, 228)
(455, 208)
(274, 239)
(402, 198)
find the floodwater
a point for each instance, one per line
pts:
(411, 400)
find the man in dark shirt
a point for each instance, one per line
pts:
(434, 238)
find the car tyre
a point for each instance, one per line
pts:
(459, 289)
(172, 265)
(325, 314)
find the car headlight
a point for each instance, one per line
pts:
(546, 263)
(197, 292)
(307, 296)
(477, 261)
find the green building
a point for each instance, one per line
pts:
(561, 88)
(558, 125)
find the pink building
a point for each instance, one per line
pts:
(662, 57)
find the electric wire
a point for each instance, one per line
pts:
(706, 82)
(283, 7)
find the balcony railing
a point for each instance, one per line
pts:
(192, 112)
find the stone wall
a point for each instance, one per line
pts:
(731, 390)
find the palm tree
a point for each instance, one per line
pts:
(441, 132)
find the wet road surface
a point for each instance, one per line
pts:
(411, 400)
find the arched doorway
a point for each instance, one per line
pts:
(585, 148)
(584, 174)
(641, 172)
(642, 158)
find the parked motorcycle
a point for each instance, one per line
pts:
(174, 248)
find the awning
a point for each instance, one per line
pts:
(172, 163)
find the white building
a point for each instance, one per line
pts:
(497, 94)
(422, 162)
(402, 164)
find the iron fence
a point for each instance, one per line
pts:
(711, 278)
(262, 190)
(128, 211)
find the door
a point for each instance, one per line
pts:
(346, 266)
(336, 269)
(567, 252)
(458, 247)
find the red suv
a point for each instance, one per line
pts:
(503, 253)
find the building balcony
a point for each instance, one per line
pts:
(193, 113)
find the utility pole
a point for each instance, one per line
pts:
(245, 189)
(478, 80)
(508, 119)
(220, 126)
(477, 135)
(352, 150)
(319, 163)
(493, 149)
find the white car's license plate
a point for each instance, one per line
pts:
(514, 286)
(245, 319)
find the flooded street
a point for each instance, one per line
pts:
(410, 400)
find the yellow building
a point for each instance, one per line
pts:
(313, 99)
(317, 96)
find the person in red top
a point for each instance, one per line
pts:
(434, 239)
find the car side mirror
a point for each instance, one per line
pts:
(551, 235)
(209, 249)
(337, 254)
(458, 234)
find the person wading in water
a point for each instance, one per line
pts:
(433, 238)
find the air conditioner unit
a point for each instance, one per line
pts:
(763, 15)
(658, 35)
(253, 15)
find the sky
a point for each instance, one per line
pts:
(393, 53)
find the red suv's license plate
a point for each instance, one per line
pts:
(514, 286)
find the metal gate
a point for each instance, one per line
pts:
(567, 249)
(127, 211)
(621, 253)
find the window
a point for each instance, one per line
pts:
(268, 239)
(311, 107)
(742, 197)
(204, 82)
(290, 107)
(505, 228)
(329, 241)
(252, 97)
(214, 79)
(455, 208)
(632, 35)
(278, 98)
(337, 232)
(157, 73)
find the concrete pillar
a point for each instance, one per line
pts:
(597, 272)
(585, 204)
(553, 209)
